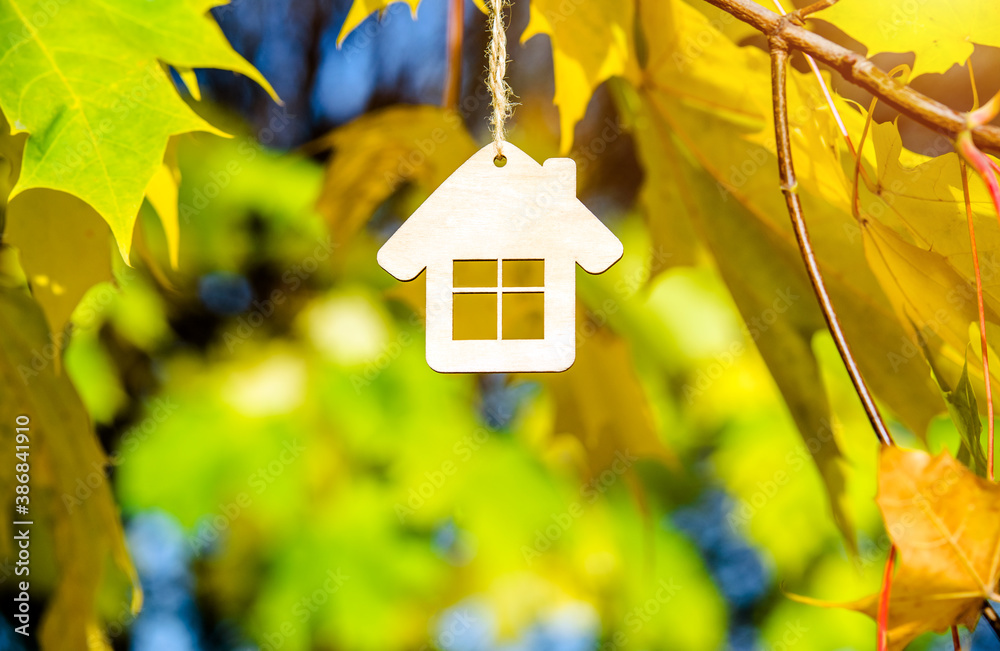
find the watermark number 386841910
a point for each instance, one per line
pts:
(22, 523)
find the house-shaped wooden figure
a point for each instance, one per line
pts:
(501, 245)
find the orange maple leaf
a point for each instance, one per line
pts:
(945, 523)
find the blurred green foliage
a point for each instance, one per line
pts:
(262, 395)
(315, 442)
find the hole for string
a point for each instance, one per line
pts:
(500, 161)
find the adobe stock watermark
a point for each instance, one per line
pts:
(755, 326)
(632, 281)
(793, 633)
(625, 289)
(693, 47)
(158, 412)
(389, 353)
(303, 611)
(590, 492)
(113, 627)
(757, 156)
(212, 527)
(292, 280)
(766, 490)
(637, 617)
(459, 625)
(563, 12)
(248, 149)
(888, 192)
(562, 181)
(85, 152)
(904, 12)
(423, 149)
(961, 296)
(86, 315)
(42, 16)
(873, 552)
(433, 480)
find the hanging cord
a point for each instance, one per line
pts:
(499, 88)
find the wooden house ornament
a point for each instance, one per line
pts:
(501, 245)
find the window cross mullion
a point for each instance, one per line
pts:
(499, 299)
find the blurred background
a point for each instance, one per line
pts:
(293, 475)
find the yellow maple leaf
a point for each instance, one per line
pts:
(934, 300)
(601, 403)
(65, 249)
(161, 193)
(707, 100)
(361, 9)
(591, 42)
(71, 499)
(940, 34)
(378, 153)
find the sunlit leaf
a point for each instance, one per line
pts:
(64, 456)
(190, 80)
(379, 153)
(361, 9)
(602, 404)
(941, 34)
(162, 195)
(722, 160)
(65, 248)
(591, 42)
(964, 414)
(88, 85)
(944, 522)
(928, 294)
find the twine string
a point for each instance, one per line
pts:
(499, 89)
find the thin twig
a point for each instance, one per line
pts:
(779, 58)
(985, 167)
(819, 5)
(456, 30)
(972, 83)
(860, 71)
(855, 200)
(985, 113)
(883, 601)
(789, 187)
(798, 14)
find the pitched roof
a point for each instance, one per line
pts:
(522, 209)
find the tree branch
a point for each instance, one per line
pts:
(819, 5)
(861, 72)
(779, 59)
(789, 187)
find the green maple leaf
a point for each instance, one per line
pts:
(87, 81)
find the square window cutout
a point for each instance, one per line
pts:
(524, 273)
(524, 315)
(475, 273)
(474, 316)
